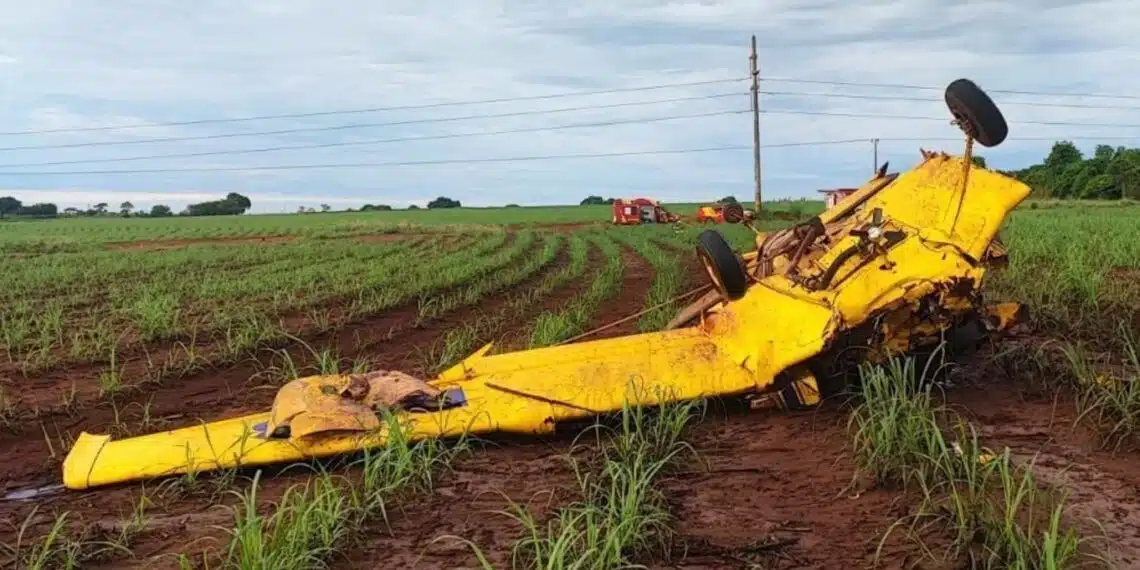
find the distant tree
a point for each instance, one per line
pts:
(71, 211)
(1108, 173)
(40, 210)
(160, 211)
(375, 207)
(233, 204)
(1063, 153)
(9, 205)
(1125, 170)
(125, 208)
(325, 207)
(596, 201)
(979, 161)
(1101, 158)
(241, 201)
(1101, 186)
(413, 207)
(443, 202)
(511, 206)
(300, 209)
(728, 200)
(100, 208)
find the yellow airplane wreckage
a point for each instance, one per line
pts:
(894, 267)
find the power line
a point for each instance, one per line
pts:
(481, 116)
(381, 109)
(369, 125)
(936, 100)
(521, 158)
(638, 121)
(933, 88)
(1022, 139)
(430, 162)
(945, 119)
(661, 86)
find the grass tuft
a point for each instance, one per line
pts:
(622, 512)
(996, 511)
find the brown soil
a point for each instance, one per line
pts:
(1101, 485)
(637, 277)
(770, 489)
(448, 244)
(772, 493)
(140, 362)
(558, 227)
(517, 336)
(471, 505)
(161, 244)
(389, 340)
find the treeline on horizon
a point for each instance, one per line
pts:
(232, 204)
(1109, 173)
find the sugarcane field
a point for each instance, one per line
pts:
(816, 340)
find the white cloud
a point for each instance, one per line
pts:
(117, 63)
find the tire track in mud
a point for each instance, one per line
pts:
(637, 277)
(564, 295)
(766, 491)
(173, 243)
(1101, 485)
(469, 504)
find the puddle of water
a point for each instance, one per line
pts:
(32, 492)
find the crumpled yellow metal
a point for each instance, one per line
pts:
(754, 344)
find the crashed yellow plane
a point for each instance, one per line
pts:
(892, 268)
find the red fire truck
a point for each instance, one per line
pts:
(634, 211)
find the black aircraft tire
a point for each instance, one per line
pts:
(976, 113)
(722, 264)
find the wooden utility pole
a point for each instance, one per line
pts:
(755, 69)
(875, 165)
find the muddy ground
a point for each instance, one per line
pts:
(770, 489)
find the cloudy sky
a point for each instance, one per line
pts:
(79, 67)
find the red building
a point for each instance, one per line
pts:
(835, 195)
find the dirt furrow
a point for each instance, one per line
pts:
(42, 396)
(517, 335)
(471, 505)
(637, 278)
(1102, 486)
(388, 340)
(768, 492)
(220, 391)
(164, 244)
(91, 507)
